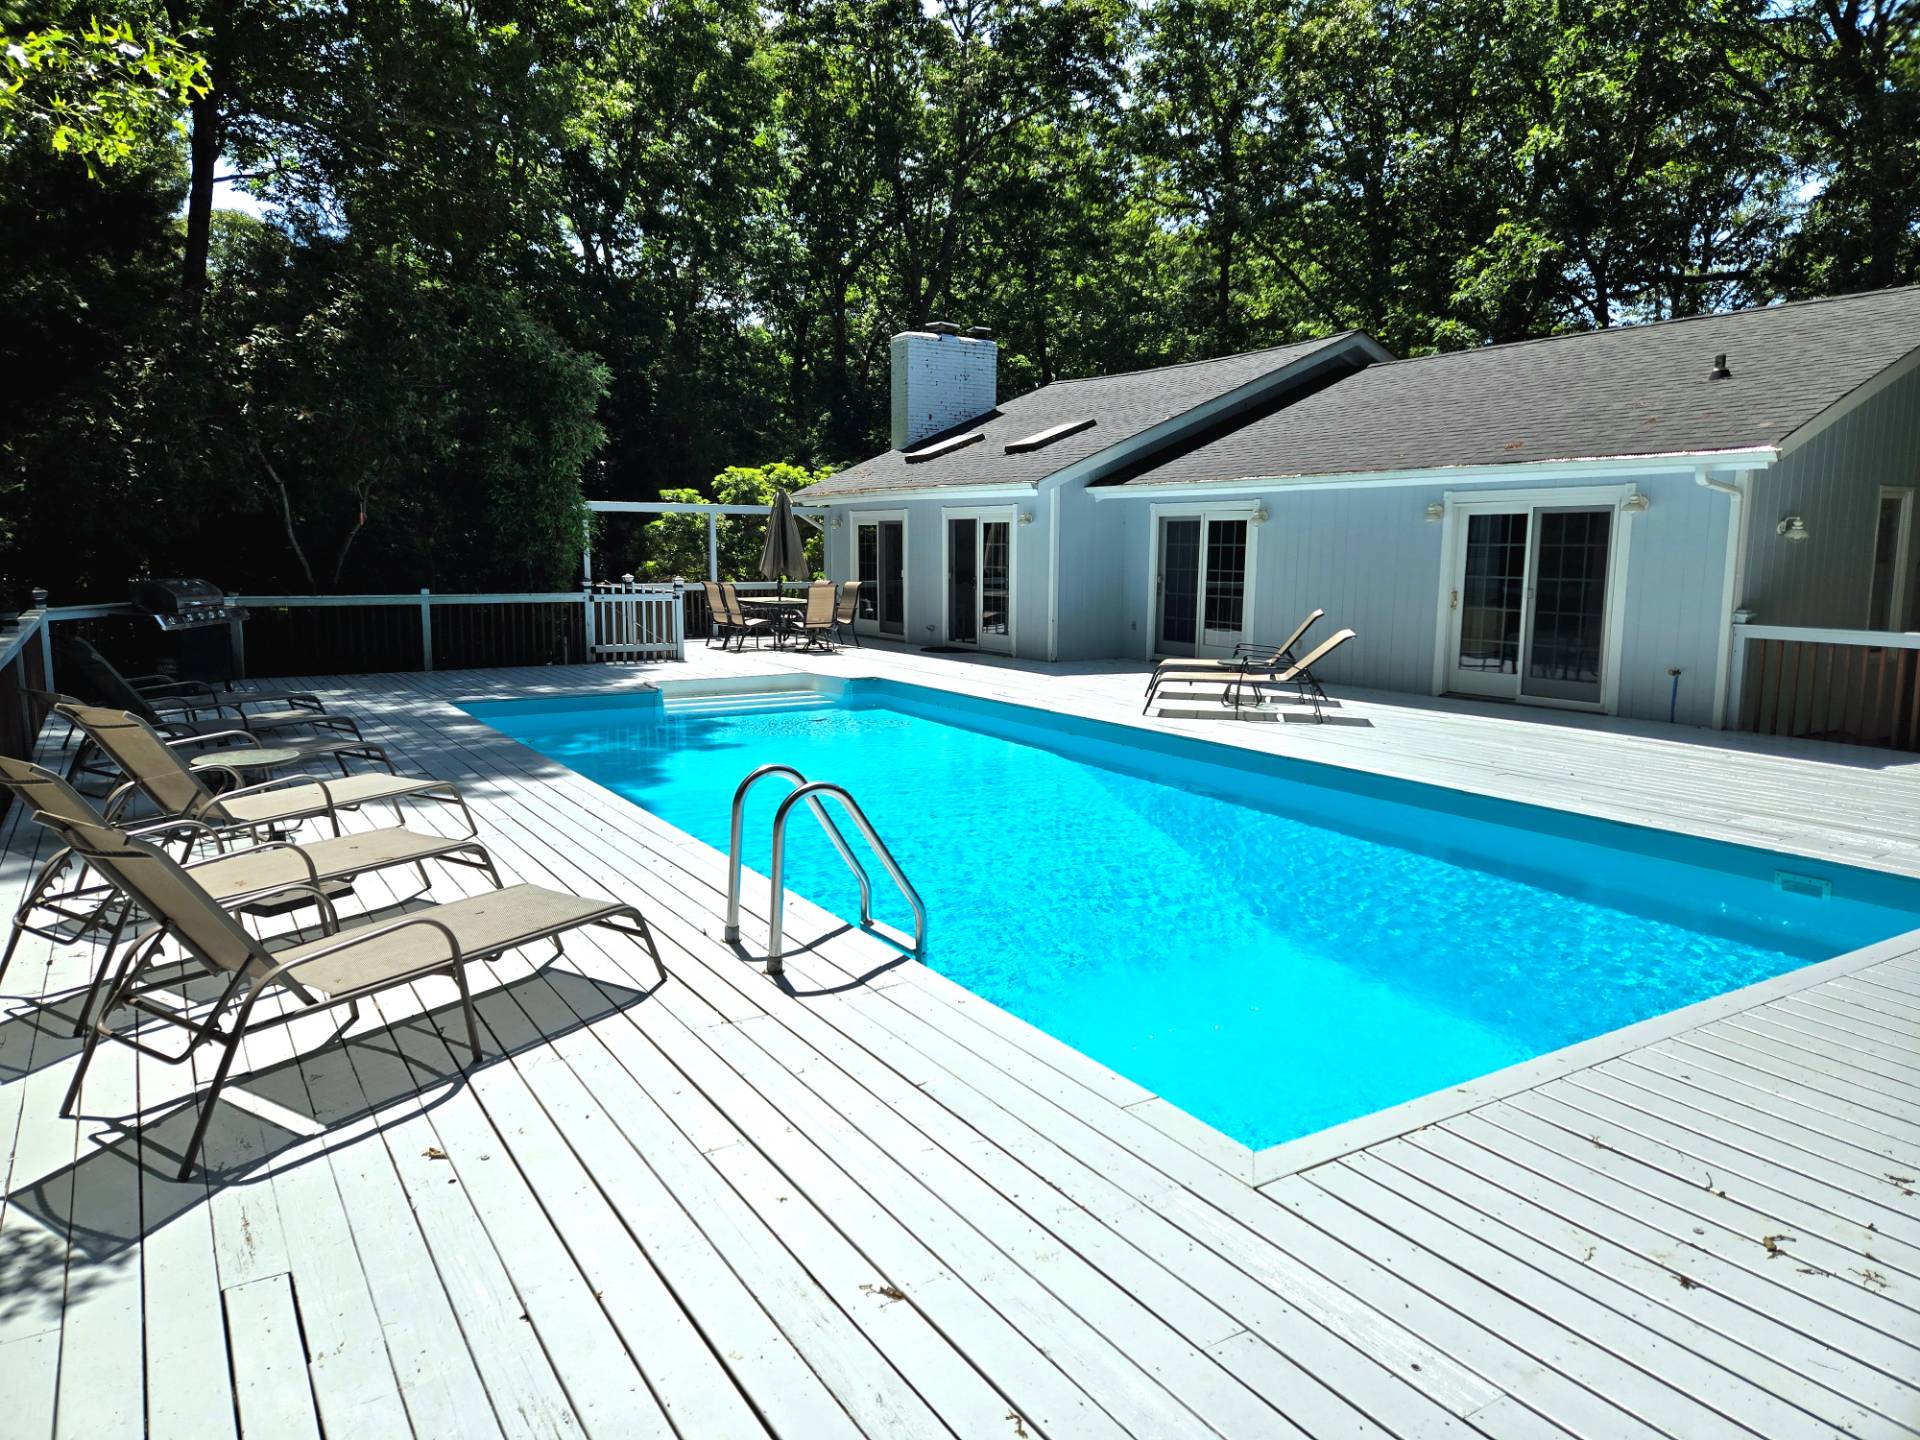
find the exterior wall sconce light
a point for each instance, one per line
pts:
(1792, 528)
(839, 521)
(1636, 504)
(1026, 517)
(1259, 515)
(1436, 512)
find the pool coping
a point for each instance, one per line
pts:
(1269, 1164)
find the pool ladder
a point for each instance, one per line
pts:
(811, 793)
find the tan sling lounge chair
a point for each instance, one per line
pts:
(155, 770)
(66, 901)
(1246, 656)
(339, 968)
(1234, 682)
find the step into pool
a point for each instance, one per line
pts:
(1272, 945)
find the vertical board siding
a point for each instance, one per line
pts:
(1371, 559)
(1833, 483)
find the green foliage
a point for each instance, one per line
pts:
(95, 89)
(515, 254)
(676, 545)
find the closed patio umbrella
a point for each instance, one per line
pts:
(783, 554)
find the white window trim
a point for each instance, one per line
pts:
(1011, 515)
(1902, 550)
(857, 518)
(1453, 535)
(1250, 511)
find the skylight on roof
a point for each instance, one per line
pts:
(1048, 436)
(944, 447)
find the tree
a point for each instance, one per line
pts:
(95, 89)
(676, 545)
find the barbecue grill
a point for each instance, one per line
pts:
(193, 618)
(183, 604)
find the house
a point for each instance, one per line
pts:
(1578, 521)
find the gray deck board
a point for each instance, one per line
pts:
(877, 1205)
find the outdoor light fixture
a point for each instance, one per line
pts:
(1436, 512)
(1259, 515)
(839, 521)
(1636, 504)
(1792, 528)
(1026, 517)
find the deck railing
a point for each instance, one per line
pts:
(1857, 686)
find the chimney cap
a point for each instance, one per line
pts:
(942, 327)
(1720, 370)
(979, 332)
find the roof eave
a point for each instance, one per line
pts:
(1744, 458)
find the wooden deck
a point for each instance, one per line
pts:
(873, 1204)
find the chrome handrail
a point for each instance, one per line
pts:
(776, 903)
(826, 823)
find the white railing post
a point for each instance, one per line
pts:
(713, 546)
(1736, 698)
(679, 618)
(426, 628)
(46, 654)
(589, 640)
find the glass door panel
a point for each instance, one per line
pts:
(1224, 618)
(1567, 627)
(1490, 603)
(879, 564)
(1885, 600)
(996, 583)
(963, 581)
(1179, 585)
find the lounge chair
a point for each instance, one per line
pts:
(262, 878)
(340, 967)
(100, 682)
(178, 791)
(814, 629)
(739, 622)
(846, 612)
(1246, 656)
(1234, 682)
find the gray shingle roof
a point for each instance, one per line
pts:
(1122, 406)
(1636, 390)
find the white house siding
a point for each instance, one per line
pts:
(1833, 483)
(1094, 573)
(1368, 555)
(926, 572)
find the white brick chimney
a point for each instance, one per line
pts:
(941, 379)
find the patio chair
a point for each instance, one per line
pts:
(178, 791)
(814, 629)
(742, 624)
(263, 879)
(1299, 674)
(102, 682)
(846, 612)
(718, 626)
(1246, 656)
(340, 968)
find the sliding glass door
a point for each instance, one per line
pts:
(979, 578)
(1201, 584)
(1531, 600)
(880, 565)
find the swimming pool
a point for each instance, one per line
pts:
(1272, 945)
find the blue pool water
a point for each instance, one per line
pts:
(1272, 945)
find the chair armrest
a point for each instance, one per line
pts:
(313, 872)
(197, 737)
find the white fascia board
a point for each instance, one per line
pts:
(927, 492)
(1550, 470)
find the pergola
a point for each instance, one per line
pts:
(712, 511)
